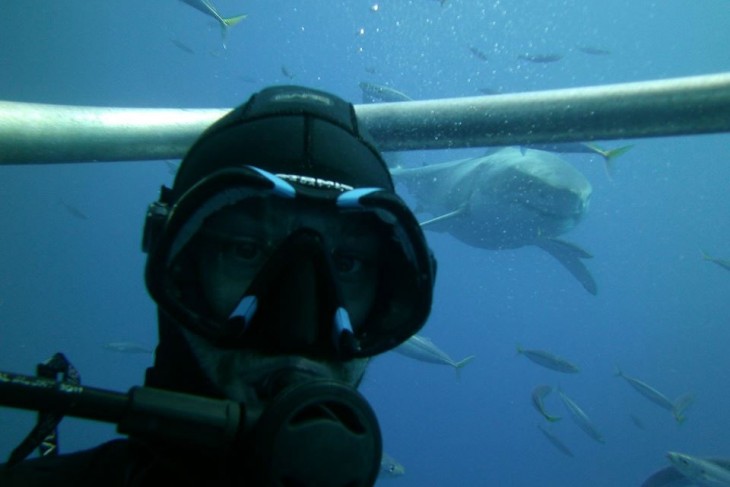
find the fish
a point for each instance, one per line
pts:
(478, 53)
(286, 72)
(556, 442)
(540, 58)
(488, 91)
(72, 210)
(390, 467)
(206, 7)
(182, 46)
(593, 51)
(581, 418)
(549, 360)
(703, 473)
(373, 93)
(677, 408)
(724, 263)
(171, 167)
(127, 347)
(538, 397)
(506, 200)
(423, 349)
(608, 155)
(637, 421)
(672, 477)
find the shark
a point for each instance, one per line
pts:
(513, 198)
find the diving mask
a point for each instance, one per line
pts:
(289, 263)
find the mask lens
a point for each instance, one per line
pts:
(243, 239)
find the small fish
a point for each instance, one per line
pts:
(206, 6)
(488, 91)
(478, 54)
(538, 396)
(171, 167)
(704, 473)
(182, 46)
(581, 418)
(548, 360)
(657, 397)
(593, 51)
(608, 155)
(423, 349)
(637, 421)
(724, 263)
(371, 69)
(672, 477)
(372, 93)
(540, 58)
(127, 347)
(390, 467)
(556, 442)
(73, 210)
(286, 72)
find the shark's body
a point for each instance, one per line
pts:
(509, 199)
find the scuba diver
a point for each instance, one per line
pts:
(281, 261)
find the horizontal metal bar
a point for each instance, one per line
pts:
(37, 134)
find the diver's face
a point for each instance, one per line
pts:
(237, 245)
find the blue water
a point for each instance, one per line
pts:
(662, 313)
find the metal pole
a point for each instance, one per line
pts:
(38, 134)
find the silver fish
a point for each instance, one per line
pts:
(672, 477)
(73, 210)
(390, 467)
(637, 421)
(423, 349)
(593, 51)
(724, 263)
(538, 396)
(609, 155)
(127, 347)
(206, 7)
(556, 442)
(581, 418)
(372, 93)
(677, 408)
(548, 360)
(541, 58)
(703, 473)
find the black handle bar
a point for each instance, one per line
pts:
(143, 411)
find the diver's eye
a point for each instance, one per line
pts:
(244, 250)
(347, 264)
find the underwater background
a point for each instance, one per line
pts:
(72, 266)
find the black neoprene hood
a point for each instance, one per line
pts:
(288, 130)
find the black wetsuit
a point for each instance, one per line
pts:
(119, 463)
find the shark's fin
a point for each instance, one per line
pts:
(570, 256)
(445, 216)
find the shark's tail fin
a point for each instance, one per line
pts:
(609, 155)
(461, 363)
